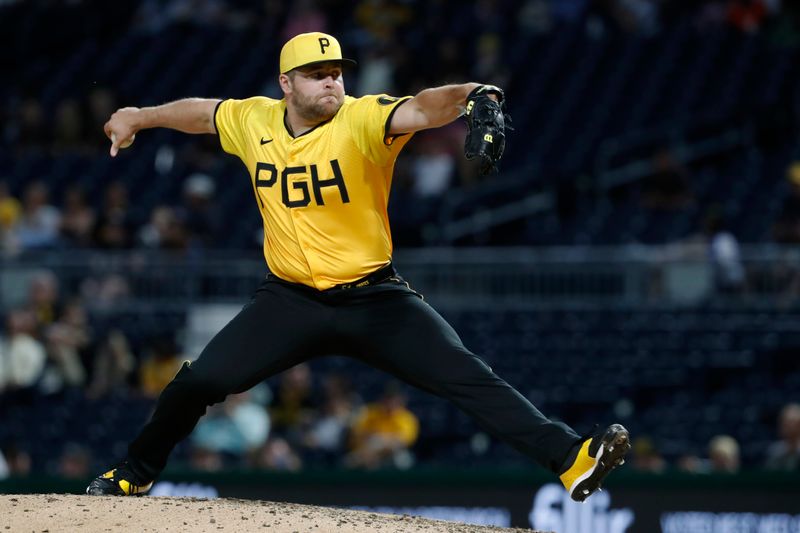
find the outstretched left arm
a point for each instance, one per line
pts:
(431, 108)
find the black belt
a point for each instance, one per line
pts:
(379, 276)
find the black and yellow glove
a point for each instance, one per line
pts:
(486, 120)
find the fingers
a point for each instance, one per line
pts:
(115, 142)
(120, 129)
(109, 131)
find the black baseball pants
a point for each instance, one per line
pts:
(386, 325)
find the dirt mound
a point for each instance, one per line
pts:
(69, 512)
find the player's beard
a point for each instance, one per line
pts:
(315, 110)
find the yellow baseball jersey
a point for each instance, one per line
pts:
(323, 194)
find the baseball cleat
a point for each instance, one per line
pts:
(120, 481)
(596, 458)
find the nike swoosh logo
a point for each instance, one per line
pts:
(265, 141)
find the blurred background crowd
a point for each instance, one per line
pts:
(636, 122)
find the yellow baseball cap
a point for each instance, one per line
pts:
(309, 48)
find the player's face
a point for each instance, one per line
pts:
(317, 91)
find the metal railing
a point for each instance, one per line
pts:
(677, 275)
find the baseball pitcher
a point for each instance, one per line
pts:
(320, 164)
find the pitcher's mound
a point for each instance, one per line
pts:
(70, 512)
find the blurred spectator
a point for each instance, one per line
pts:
(724, 255)
(156, 15)
(10, 208)
(646, 457)
(75, 462)
(277, 454)
(69, 128)
(786, 28)
(786, 228)
(112, 234)
(667, 188)
(237, 427)
(376, 72)
(22, 356)
(159, 366)
(382, 19)
(44, 298)
(536, 17)
(113, 365)
(115, 222)
(200, 212)
(488, 65)
(775, 7)
(200, 12)
(492, 14)
(328, 430)
(723, 457)
(746, 15)
(18, 460)
(293, 404)
(304, 16)
(451, 62)
(641, 16)
(383, 432)
(407, 219)
(66, 341)
(711, 14)
(201, 155)
(568, 10)
(105, 291)
(723, 454)
(204, 459)
(32, 129)
(101, 103)
(10, 213)
(437, 163)
(4, 470)
(434, 165)
(692, 464)
(785, 453)
(153, 233)
(38, 226)
(164, 231)
(150, 17)
(77, 219)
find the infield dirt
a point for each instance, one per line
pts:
(69, 512)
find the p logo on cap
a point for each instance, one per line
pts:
(309, 48)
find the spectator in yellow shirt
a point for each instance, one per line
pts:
(10, 208)
(383, 432)
(158, 369)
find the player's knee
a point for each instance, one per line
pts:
(189, 382)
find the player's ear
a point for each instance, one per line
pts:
(285, 82)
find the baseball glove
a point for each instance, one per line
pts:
(486, 121)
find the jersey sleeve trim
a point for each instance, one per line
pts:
(216, 108)
(387, 138)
